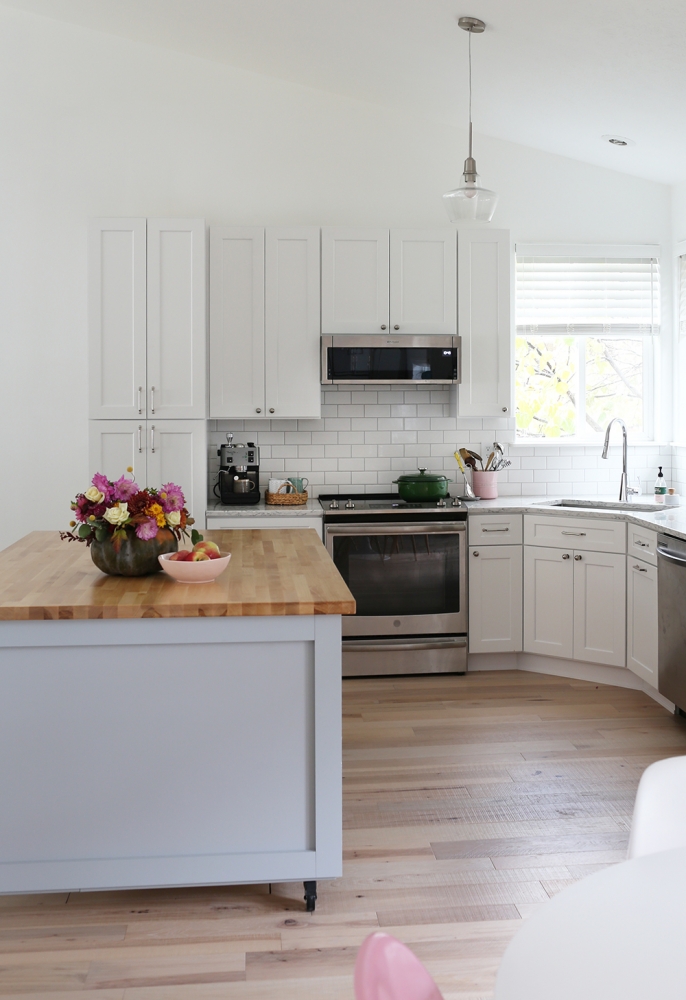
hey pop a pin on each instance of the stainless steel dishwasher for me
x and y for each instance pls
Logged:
(671, 612)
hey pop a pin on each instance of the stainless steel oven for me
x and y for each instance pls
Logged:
(407, 570)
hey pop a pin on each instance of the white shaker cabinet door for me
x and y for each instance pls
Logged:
(600, 608)
(176, 318)
(548, 601)
(237, 322)
(423, 281)
(495, 599)
(117, 318)
(117, 445)
(292, 319)
(177, 453)
(641, 604)
(484, 322)
(354, 280)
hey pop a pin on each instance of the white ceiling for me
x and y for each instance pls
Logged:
(553, 74)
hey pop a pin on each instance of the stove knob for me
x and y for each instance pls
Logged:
(349, 505)
(441, 503)
(455, 503)
(333, 505)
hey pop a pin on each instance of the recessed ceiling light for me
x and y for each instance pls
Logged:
(618, 140)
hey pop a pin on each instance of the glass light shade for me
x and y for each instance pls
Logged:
(469, 202)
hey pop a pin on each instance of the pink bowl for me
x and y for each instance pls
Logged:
(204, 571)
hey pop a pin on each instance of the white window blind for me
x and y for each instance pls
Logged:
(682, 295)
(590, 296)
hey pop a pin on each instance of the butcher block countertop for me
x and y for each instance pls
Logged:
(282, 572)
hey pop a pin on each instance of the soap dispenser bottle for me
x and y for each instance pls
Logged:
(660, 487)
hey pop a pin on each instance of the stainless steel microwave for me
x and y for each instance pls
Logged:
(356, 360)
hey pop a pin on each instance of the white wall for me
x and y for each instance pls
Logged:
(96, 125)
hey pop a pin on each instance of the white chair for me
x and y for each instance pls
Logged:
(659, 819)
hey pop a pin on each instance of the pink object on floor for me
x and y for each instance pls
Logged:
(386, 969)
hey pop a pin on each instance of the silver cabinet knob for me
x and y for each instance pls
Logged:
(383, 326)
(271, 409)
(504, 409)
(396, 327)
(578, 558)
(258, 410)
(565, 555)
(475, 553)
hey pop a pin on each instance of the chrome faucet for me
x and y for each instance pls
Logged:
(623, 490)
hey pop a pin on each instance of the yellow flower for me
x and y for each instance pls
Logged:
(154, 510)
(72, 524)
(129, 468)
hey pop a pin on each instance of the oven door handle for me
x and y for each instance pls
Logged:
(386, 647)
(389, 528)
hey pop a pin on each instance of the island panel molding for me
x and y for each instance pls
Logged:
(287, 572)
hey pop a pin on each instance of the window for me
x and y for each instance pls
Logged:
(584, 349)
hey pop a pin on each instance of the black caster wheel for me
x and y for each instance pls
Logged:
(310, 895)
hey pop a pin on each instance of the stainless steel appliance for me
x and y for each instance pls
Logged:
(349, 360)
(239, 473)
(406, 566)
(671, 613)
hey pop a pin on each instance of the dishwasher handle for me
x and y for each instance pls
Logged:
(670, 556)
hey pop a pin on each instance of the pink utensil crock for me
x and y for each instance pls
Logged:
(485, 484)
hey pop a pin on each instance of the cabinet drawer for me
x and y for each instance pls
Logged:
(495, 529)
(641, 542)
(594, 534)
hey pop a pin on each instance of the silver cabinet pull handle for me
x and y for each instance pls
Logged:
(578, 558)
(152, 439)
(140, 399)
(152, 398)
(140, 439)
(484, 530)
(643, 545)
(565, 555)
(640, 569)
(580, 533)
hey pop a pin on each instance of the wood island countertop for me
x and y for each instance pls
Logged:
(271, 572)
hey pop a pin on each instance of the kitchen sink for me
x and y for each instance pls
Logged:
(605, 505)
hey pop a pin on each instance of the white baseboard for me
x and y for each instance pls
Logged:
(576, 670)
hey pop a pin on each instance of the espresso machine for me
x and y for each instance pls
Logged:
(239, 473)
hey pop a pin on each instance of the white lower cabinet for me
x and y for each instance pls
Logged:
(159, 452)
(575, 604)
(548, 601)
(641, 603)
(495, 598)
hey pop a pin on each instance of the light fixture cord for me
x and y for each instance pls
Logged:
(469, 33)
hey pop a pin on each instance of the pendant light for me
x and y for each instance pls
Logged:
(470, 201)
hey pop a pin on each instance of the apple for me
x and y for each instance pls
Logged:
(214, 555)
(199, 557)
(183, 555)
(208, 547)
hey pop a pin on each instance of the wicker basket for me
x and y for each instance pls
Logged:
(286, 499)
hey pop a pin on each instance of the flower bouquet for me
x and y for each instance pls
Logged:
(126, 528)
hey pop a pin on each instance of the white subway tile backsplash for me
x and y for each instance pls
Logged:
(367, 436)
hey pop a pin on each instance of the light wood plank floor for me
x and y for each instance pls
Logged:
(469, 801)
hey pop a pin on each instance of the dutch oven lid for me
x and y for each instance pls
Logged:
(422, 476)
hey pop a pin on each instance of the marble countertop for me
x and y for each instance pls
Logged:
(671, 520)
(310, 509)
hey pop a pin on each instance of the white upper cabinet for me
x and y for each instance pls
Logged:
(484, 291)
(117, 317)
(354, 281)
(147, 318)
(423, 281)
(176, 318)
(292, 316)
(236, 322)
(264, 323)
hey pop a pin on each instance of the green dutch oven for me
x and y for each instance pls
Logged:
(422, 485)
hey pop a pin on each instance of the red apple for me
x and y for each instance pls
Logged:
(208, 547)
(199, 557)
(215, 555)
(183, 555)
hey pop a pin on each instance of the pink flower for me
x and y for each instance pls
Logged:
(80, 510)
(147, 529)
(124, 489)
(102, 483)
(171, 498)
